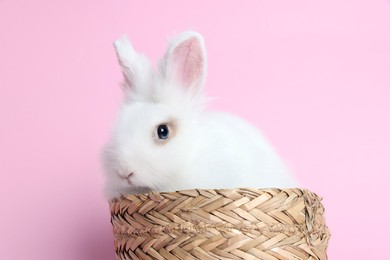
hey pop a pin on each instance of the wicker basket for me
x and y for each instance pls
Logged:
(220, 224)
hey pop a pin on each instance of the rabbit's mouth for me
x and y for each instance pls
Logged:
(127, 178)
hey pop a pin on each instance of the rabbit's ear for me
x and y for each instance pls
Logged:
(185, 62)
(136, 68)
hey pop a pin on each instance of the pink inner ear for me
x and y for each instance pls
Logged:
(188, 60)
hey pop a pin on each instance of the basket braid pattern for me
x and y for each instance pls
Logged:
(268, 224)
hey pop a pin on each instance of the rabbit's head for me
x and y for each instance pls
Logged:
(155, 136)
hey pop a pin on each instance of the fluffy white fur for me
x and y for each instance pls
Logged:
(207, 150)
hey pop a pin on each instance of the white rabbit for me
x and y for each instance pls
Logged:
(165, 140)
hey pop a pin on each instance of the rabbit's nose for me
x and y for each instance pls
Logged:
(130, 174)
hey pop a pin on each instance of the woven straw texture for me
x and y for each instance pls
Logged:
(266, 224)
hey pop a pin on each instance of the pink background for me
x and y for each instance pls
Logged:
(313, 75)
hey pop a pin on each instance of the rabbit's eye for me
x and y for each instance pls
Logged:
(162, 132)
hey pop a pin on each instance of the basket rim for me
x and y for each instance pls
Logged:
(311, 227)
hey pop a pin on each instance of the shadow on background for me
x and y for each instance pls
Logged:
(98, 241)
